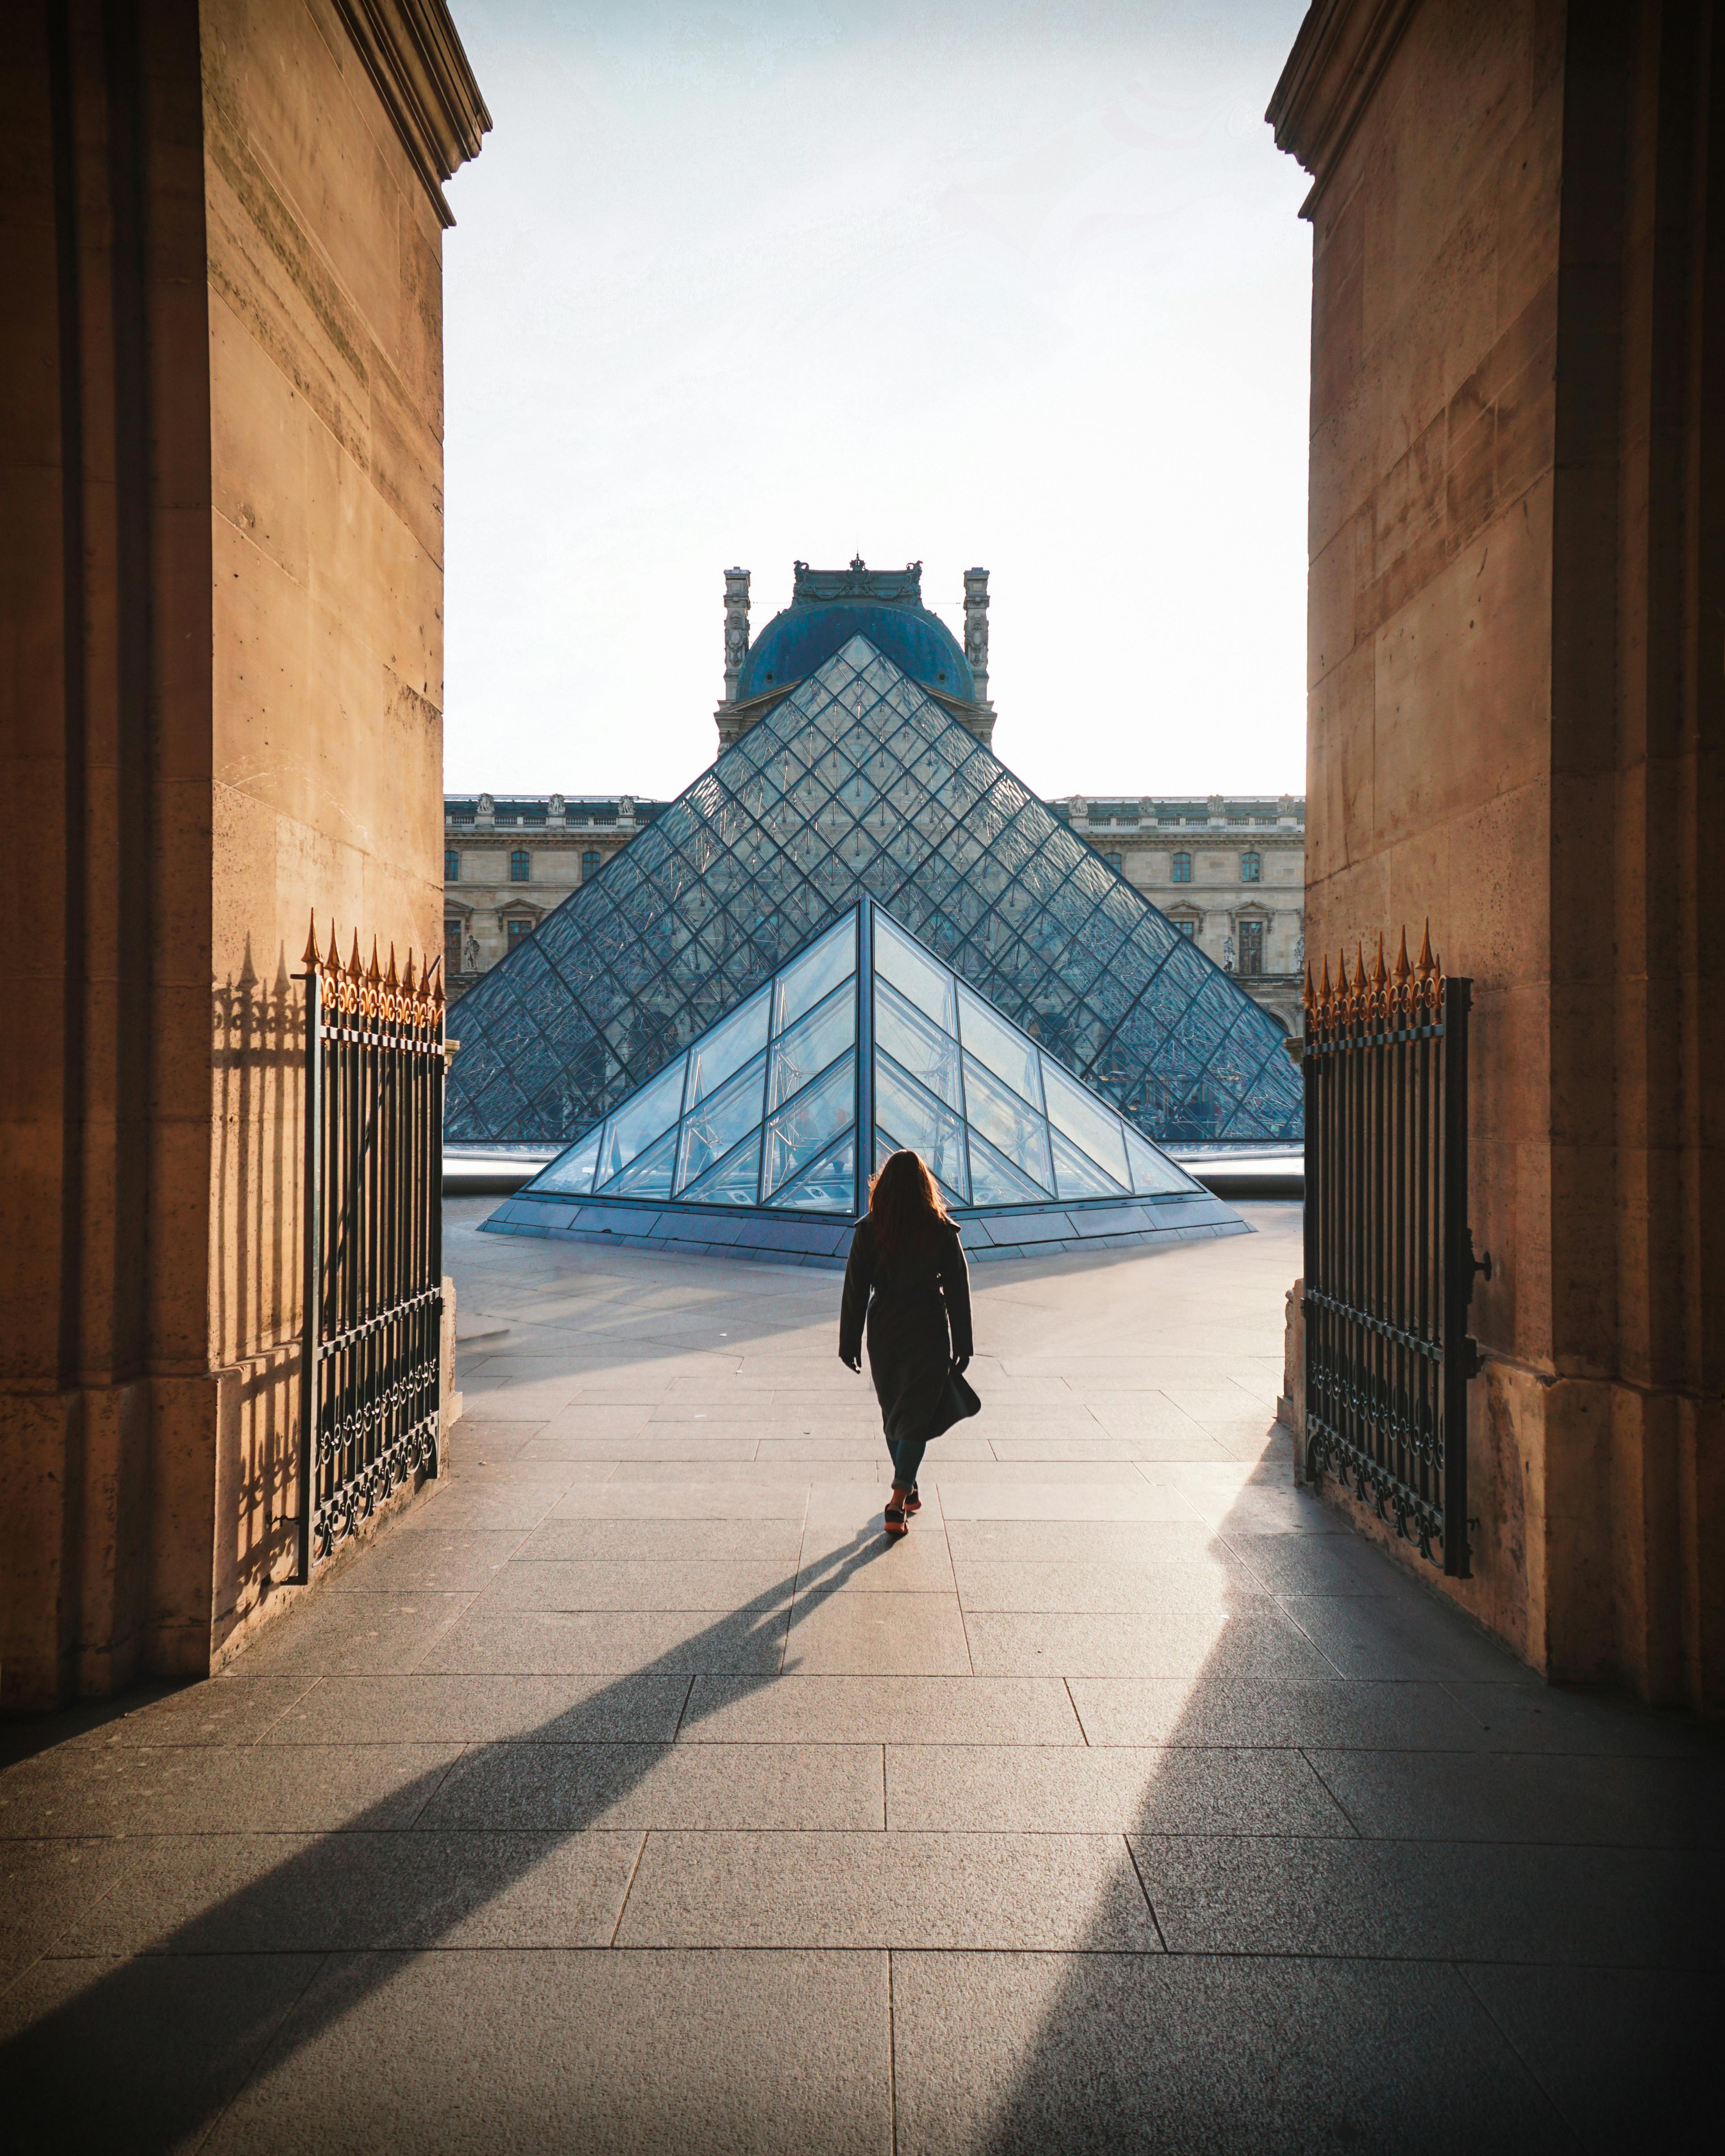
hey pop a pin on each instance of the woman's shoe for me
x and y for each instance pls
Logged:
(913, 1503)
(894, 1515)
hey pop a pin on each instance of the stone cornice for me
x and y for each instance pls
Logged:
(413, 52)
(1338, 58)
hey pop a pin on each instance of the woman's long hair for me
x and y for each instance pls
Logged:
(905, 1206)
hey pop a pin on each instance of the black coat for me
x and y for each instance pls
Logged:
(918, 1311)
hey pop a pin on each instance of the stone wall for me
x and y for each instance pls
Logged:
(1514, 706)
(224, 418)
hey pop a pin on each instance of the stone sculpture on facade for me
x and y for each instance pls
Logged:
(737, 628)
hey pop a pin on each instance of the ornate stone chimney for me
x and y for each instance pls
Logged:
(976, 629)
(737, 628)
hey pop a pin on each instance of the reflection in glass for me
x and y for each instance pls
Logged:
(800, 986)
(572, 1171)
(796, 1134)
(1078, 1175)
(924, 1050)
(828, 1184)
(915, 974)
(1001, 1046)
(805, 1051)
(727, 1048)
(920, 1121)
(648, 1175)
(735, 1180)
(712, 1129)
(1086, 1123)
(1153, 1171)
(994, 1181)
(1018, 1131)
(638, 1121)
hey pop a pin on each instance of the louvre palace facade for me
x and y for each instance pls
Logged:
(854, 770)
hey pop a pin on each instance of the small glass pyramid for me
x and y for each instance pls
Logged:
(859, 784)
(757, 1140)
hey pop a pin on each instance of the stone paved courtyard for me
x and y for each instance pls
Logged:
(634, 1794)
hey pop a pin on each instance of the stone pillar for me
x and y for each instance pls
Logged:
(737, 630)
(1516, 714)
(976, 629)
(221, 409)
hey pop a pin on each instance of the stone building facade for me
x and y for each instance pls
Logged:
(1228, 872)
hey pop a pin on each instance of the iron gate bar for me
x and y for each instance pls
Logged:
(1389, 1263)
(371, 1368)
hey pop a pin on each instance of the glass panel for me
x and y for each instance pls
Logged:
(1078, 1175)
(736, 1181)
(727, 1048)
(800, 986)
(994, 1181)
(798, 1133)
(1153, 1171)
(806, 1050)
(886, 1145)
(920, 1121)
(574, 1171)
(925, 1051)
(712, 1129)
(928, 986)
(829, 1186)
(648, 1175)
(1001, 1116)
(1085, 1121)
(1001, 1046)
(638, 1121)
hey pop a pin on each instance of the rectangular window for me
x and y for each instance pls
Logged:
(452, 947)
(519, 863)
(1251, 946)
(589, 863)
(1187, 927)
(1251, 867)
(1112, 860)
(1182, 868)
(452, 865)
(519, 931)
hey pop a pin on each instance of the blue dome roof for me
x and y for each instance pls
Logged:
(802, 639)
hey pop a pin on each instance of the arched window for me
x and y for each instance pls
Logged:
(519, 932)
(1251, 867)
(520, 864)
(1182, 868)
(452, 865)
(589, 863)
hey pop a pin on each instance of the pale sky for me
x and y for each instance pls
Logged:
(1016, 285)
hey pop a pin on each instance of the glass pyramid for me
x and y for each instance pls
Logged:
(758, 1137)
(859, 784)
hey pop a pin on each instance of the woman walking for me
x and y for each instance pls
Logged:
(907, 1274)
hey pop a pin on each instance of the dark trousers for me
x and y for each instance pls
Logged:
(906, 1458)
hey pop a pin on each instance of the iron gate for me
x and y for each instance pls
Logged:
(373, 1293)
(1389, 1262)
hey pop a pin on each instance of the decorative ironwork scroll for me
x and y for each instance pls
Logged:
(1389, 1262)
(373, 1291)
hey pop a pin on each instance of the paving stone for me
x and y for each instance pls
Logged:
(1528, 1716)
(847, 1710)
(1434, 1901)
(100, 2056)
(355, 1633)
(1045, 1499)
(684, 1500)
(1240, 1707)
(867, 1561)
(676, 1441)
(665, 1542)
(615, 2054)
(1173, 1645)
(229, 1893)
(1083, 1542)
(583, 1419)
(430, 1709)
(618, 1583)
(559, 1643)
(696, 1786)
(1400, 1635)
(47, 1888)
(998, 2054)
(868, 1890)
(1105, 1589)
(994, 1474)
(181, 1788)
(1480, 1796)
(436, 1561)
(496, 1508)
(1020, 1788)
(914, 1635)
(232, 1709)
